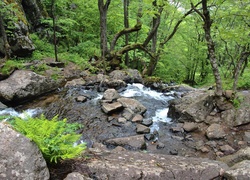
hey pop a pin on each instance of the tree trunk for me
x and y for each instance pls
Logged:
(210, 45)
(5, 40)
(126, 25)
(54, 28)
(243, 58)
(103, 10)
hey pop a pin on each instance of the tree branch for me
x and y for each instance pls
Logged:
(178, 23)
(133, 47)
(137, 27)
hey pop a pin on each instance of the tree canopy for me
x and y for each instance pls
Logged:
(196, 41)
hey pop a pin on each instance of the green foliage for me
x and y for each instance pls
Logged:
(237, 100)
(56, 139)
(43, 47)
(11, 65)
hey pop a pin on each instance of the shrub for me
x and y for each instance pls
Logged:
(56, 139)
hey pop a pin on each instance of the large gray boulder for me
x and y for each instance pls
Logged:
(204, 106)
(23, 85)
(129, 165)
(128, 76)
(18, 36)
(19, 157)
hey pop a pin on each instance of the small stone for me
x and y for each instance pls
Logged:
(190, 126)
(204, 149)
(108, 108)
(110, 94)
(137, 118)
(128, 114)
(173, 152)
(110, 118)
(215, 131)
(219, 154)
(122, 120)
(147, 122)
(81, 99)
(142, 129)
(178, 138)
(247, 136)
(160, 145)
(227, 149)
(178, 128)
(149, 137)
(242, 143)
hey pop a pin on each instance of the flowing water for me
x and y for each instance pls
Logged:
(155, 102)
(96, 126)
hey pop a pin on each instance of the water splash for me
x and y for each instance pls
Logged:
(13, 113)
(155, 102)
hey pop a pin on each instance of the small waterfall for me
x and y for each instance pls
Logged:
(155, 102)
(13, 113)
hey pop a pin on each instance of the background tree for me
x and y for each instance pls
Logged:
(5, 14)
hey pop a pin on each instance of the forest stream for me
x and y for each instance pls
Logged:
(97, 128)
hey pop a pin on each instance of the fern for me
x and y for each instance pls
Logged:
(56, 139)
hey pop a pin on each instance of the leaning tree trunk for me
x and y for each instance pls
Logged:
(243, 58)
(126, 25)
(210, 45)
(5, 40)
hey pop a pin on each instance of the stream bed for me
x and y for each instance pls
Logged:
(97, 128)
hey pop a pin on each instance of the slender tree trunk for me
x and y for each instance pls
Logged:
(54, 28)
(103, 10)
(243, 58)
(126, 25)
(211, 50)
(5, 40)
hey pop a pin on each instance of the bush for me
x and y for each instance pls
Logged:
(56, 139)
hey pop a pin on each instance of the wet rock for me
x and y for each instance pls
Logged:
(128, 76)
(137, 118)
(129, 165)
(116, 84)
(23, 85)
(2, 106)
(133, 142)
(122, 120)
(247, 136)
(110, 94)
(215, 131)
(111, 107)
(177, 128)
(76, 176)
(204, 149)
(212, 119)
(128, 114)
(239, 171)
(141, 129)
(19, 157)
(190, 126)
(173, 152)
(149, 136)
(147, 122)
(226, 149)
(132, 104)
(81, 99)
(242, 154)
(194, 106)
(160, 145)
(75, 82)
